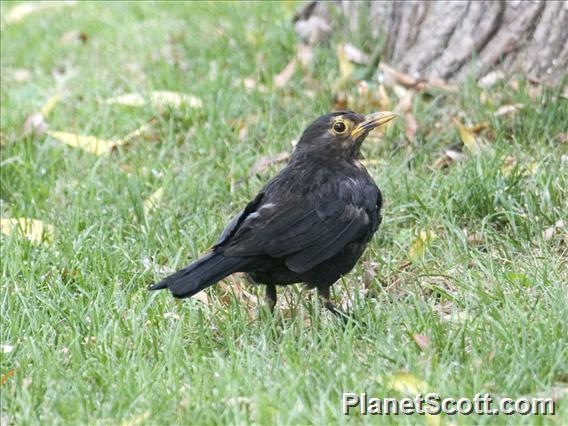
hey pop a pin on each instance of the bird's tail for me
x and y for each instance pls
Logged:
(199, 275)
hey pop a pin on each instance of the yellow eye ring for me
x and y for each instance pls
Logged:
(339, 127)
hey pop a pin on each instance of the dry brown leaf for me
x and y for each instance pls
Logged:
(508, 164)
(282, 78)
(158, 269)
(202, 297)
(467, 137)
(479, 127)
(243, 125)
(421, 341)
(448, 157)
(63, 73)
(491, 78)
(385, 102)
(22, 75)
(549, 232)
(34, 124)
(508, 109)
(158, 99)
(411, 126)
(153, 200)
(33, 229)
(355, 55)
(459, 317)
(405, 103)
(393, 77)
(6, 376)
(19, 12)
(143, 129)
(172, 315)
(305, 55)
(475, 239)
(420, 243)
(264, 163)
(73, 36)
(249, 83)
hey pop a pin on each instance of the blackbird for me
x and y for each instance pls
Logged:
(309, 224)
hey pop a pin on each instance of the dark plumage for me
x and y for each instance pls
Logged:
(309, 224)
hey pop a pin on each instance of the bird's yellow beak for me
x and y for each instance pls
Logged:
(372, 121)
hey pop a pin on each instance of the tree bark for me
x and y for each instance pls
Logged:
(453, 40)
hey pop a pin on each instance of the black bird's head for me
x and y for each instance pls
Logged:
(340, 134)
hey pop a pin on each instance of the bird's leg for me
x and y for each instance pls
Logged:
(271, 297)
(325, 297)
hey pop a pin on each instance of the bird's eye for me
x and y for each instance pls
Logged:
(339, 127)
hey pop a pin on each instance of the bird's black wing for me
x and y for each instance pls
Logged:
(303, 233)
(237, 220)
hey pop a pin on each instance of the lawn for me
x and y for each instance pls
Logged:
(462, 291)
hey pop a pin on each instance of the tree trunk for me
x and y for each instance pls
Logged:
(452, 40)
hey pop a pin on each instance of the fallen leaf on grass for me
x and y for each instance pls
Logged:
(73, 36)
(411, 126)
(172, 315)
(549, 232)
(159, 270)
(346, 68)
(409, 385)
(90, 144)
(153, 200)
(475, 239)
(508, 109)
(459, 317)
(355, 55)
(50, 104)
(419, 245)
(479, 127)
(6, 349)
(94, 144)
(202, 297)
(63, 73)
(406, 384)
(394, 77)
(508, 164)
(243, 125)
(421, 341)
(264, 163)
(159, 99)
(448, 157)
(281, 79)
(6, 376)
(19, 12)
(491, 78)
(33, 229)
(468, 137)
(34, 124)
(22, 75)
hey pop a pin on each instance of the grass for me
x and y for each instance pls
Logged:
(92, 346)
